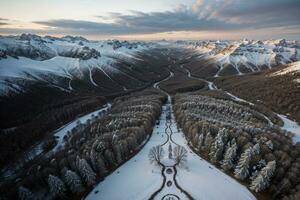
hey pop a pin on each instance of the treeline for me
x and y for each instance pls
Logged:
(242, 143)
(279, 93)
(91, 151)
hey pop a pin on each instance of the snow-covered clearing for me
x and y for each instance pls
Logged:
(61, 132)
(291, 126)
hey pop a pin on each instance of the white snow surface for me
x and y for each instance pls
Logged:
(291, 126)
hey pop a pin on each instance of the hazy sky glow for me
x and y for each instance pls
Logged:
(155, 19)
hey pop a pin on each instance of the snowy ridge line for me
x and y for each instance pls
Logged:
(246, 55)
(48, 57)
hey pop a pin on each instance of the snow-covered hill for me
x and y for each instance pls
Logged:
(292, 69)
(48, 59)
(245, 56)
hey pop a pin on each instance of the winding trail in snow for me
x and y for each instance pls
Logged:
(199, 178)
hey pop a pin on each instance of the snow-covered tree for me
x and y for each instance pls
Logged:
(101, 166)
(229, 157)
(217, 147)
(25, 194)
(200, 141)
(118, 153)
(86, 171)
(56, 186)
(73, 181)
(262, 180)
(270, 144)
(256, 149)
(242, 169)
(109, 157)
(208, 141)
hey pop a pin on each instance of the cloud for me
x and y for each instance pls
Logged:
(267, 13)
(3, 21)
(202, 15)
(142, 23)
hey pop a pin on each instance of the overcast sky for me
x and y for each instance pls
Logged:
(153, 19)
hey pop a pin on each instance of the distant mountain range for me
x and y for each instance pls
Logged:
(220, 58)
(73, 63)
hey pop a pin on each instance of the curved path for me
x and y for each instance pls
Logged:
(170, 189)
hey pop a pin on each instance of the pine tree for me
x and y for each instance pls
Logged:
(101, 166)
(256, 149)
(25, 194)
(86, 171)
(270, 144)
(242, 169)
(229, 157)
(217, 147)
(73, 181)
(208, 141)
(200, 141)
(56, 186)
(109, 157)
(118, 153)
(262, 181)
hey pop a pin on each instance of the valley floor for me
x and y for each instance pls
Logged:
(139, 179)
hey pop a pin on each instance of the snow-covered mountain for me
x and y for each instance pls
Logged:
(56, 61)
(245, 56)
(65, 62)
(292, 69)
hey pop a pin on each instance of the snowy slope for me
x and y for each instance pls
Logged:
(293, 68)
(35, 58)
(247, 55)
